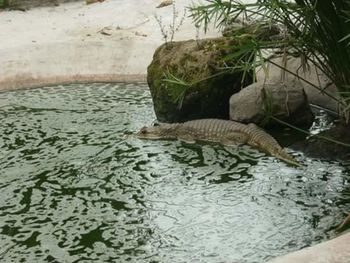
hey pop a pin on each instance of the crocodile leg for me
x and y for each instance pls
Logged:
(234, 139)
(186, 138)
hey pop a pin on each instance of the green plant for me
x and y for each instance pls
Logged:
(317, 30)
(3, 3)
(176, 87)
(168, 31)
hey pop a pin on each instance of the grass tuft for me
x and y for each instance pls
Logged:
(317, 30)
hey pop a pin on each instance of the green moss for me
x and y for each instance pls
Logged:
(208, 93)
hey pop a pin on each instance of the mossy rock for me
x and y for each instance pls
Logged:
(256, 29)
(199, 63)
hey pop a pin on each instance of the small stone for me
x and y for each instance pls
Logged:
(88, 2)
(106, 31)
(285, 100)
(165, 3)
(140, 34)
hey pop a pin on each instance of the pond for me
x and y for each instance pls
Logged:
(77, 186)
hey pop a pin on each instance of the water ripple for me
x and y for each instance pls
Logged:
(77, 186)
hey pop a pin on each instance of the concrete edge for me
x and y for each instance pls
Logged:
(27, 82)
(336, 250)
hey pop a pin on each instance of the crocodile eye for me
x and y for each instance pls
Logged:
(143, 130)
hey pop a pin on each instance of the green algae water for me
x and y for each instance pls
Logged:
(77, 186)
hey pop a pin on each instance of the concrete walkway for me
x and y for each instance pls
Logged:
(334, 251)
(109, 41)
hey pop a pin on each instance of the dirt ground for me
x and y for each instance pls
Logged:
(75, 42)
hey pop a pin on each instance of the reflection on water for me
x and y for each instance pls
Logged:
(76, 186)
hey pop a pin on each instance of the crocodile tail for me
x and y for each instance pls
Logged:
(282, 155)
(269, 145)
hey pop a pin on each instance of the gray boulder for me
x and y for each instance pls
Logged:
(200, 63)
(296, 69)
(284, 100)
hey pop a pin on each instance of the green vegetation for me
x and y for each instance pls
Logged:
(3, 3)
(318, 31)
(168, 31)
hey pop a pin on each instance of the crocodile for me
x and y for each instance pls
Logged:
(225, 132)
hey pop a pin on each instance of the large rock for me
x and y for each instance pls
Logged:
(199, 62)
(283, 100)
(298, 69)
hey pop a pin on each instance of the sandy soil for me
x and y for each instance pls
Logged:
(109, 41)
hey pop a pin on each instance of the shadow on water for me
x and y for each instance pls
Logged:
(77, 186)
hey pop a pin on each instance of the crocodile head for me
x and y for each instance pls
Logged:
(164, 131)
